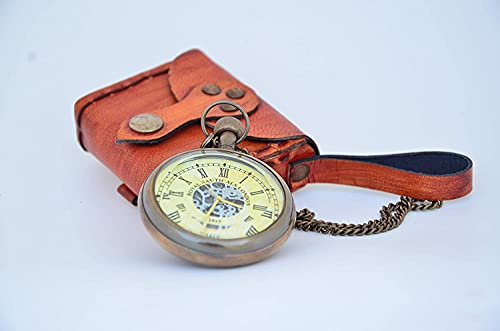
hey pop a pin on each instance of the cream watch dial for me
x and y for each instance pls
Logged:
(219, 195)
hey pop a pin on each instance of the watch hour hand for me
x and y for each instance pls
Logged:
(209, 212)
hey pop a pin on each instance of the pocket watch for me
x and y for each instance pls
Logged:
(217, 205)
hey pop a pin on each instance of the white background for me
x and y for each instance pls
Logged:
(359, 77)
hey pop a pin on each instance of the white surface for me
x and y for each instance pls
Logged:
(360, 77)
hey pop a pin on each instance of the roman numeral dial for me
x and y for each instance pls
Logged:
(219, 197)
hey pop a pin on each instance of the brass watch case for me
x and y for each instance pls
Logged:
(211, 251)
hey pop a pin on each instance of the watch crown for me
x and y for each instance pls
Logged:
(229, 123)
(228, 129)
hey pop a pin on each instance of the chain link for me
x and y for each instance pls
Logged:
(391, 216)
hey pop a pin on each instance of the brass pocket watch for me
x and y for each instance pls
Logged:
(217, 205)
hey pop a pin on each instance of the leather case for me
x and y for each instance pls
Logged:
(174, 92)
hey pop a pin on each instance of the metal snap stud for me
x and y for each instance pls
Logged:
(211, 89)
(235, 93)
(227, 108)
(145, 123)
(299, 173)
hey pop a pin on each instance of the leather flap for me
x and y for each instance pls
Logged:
(187, 75)
(173, 91)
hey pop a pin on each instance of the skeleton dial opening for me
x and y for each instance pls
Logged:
(219, 196)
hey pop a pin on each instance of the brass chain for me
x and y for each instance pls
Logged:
(391, 216)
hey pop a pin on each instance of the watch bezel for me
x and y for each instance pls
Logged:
(212, 251)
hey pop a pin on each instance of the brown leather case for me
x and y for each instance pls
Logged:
(174, 92)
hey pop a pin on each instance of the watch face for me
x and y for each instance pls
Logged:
(220, 195)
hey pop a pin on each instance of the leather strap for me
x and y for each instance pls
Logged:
(422, 175)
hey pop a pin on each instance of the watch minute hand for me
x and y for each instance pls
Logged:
(230, 203)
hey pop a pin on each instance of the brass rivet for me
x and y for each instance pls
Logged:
(235, 93)
(227, 108)
(211, 89)
(145, 123)
(299, 173)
